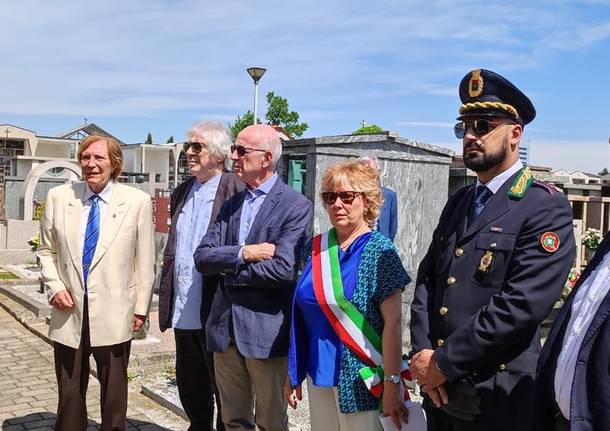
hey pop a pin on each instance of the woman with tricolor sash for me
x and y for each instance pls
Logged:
(347, 311)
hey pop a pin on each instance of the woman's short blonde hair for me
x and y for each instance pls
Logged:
(360, 178)
(114, 152)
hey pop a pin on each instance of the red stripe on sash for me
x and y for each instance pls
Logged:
(320, 297)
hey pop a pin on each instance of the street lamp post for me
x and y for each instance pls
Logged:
(256, 73)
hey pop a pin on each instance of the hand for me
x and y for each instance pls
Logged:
(425, 370)
(438, 396)
(393, 405)
(62, 300)
(292, 395)
(258, 252)
(138, 321)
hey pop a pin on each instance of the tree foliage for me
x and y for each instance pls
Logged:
(170, 140)
(603, 172)
(148, 140)
(241, 123)
(367, 129)
(278, 114)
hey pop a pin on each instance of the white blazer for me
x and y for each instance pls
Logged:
(121, 275)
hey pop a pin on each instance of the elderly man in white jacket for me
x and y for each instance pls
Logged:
(97, 255)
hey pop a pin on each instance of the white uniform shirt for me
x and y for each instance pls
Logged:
(589, 297)
(495, 183)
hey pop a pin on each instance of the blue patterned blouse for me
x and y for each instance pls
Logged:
(379, 274)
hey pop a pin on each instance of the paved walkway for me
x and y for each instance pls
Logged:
(28, 388)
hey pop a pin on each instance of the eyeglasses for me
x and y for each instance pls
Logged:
(481, 127)
(196, 146)
(347, 197)
(242, 151)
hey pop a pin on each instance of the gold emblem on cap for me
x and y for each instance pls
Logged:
(475, 86)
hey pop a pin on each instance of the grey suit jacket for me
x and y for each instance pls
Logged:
(253, 302)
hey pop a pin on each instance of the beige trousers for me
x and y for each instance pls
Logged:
(239, 379)
(324, 414)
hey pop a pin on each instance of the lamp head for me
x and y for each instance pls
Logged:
(256, 73)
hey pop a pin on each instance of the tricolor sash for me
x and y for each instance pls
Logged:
(348, 323)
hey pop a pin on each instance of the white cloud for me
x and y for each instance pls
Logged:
(337, 62)
(426, 124)
(590, 155)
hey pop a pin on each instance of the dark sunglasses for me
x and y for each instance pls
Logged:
(242, 151)
(329, 198)
(196, 146)
(480, 127)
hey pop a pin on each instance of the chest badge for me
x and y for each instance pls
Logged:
(486, 261)
(496, 229)
(550, 242)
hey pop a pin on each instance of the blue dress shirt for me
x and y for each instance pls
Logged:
(192, 224)
(324, 348)
(252, 204)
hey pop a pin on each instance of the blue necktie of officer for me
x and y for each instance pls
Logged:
(91, 236)
(481, 196)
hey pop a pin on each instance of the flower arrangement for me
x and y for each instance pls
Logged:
(34, 242)
(591, 238)
(573, 277)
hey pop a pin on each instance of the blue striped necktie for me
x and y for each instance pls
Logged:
(91, 235)
(481, 196)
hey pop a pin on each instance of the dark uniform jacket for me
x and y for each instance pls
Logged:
(482, 315)
(590, 398)
(228, 186)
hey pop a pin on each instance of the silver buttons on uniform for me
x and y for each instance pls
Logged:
(451, 280)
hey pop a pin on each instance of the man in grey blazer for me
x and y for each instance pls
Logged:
(253, 246)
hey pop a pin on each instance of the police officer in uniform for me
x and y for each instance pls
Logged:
(498, 260)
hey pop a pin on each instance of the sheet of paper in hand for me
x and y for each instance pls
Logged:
(417, 419)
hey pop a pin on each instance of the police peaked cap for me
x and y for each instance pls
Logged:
(485, 93)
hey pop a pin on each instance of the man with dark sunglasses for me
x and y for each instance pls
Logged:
(498, 260)
(252, 247)
(185, 295)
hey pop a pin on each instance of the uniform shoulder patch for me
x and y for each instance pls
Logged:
(521, 183)
(549, 241)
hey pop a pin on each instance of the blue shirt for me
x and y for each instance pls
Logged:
(192, 224)
(323, 346)
(252, 204)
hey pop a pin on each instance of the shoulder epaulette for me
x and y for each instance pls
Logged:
(522, 182)
(550, 188)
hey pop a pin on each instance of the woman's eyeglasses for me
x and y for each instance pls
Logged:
(242, 151)
(329, 198)
(195, 146)
(480, 127)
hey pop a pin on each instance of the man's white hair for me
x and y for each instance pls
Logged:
(372, 161)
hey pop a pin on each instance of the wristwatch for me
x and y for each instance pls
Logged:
(394, 378)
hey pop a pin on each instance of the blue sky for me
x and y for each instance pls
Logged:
(156, 66)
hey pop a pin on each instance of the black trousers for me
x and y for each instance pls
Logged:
(72, 371)
(195, 378)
